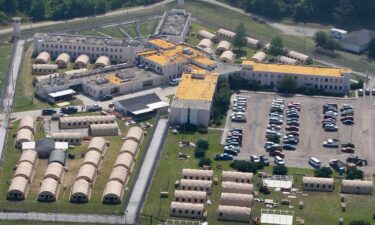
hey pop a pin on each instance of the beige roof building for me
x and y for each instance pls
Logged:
(252, 42)
(110, 129)
(72, 138)
(239, 177)
(24, 169)
(205, 34)
(190, 196)
(120, 174)
(84, 121)
(80, 191)
(48, 190)
(126, 160)
(222, 47)
(227, 57)
(55, 171)
(196, 174)
(87, 172)
(23, 135)
(234, 213)
(209, 51)
(18, 188)
(44, 69)
(30, 156)
(259, 57)
(97, 144)
(82, 61)
(233, 199)
(299, 56)
(285, 60)
(196, 185)
(43, 58)
(63, 60)
(27, 122)
(102, 61)
(360, 187)
(240, 188)
(135, 133)
(130, 146)
(187, 210)
(205, 43)
(317, 184)
(225, 34)
(113, 192)
(93, 158)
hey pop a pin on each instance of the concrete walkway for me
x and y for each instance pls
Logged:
(145, 176)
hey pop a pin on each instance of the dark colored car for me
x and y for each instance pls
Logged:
(264, 160)
(289, 147)
(348, 122)
(276, 153)
(292, 128)
(48, 112)
(105, 97)
(69, 110)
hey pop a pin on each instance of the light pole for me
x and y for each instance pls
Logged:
(275, 90)
(65, 20)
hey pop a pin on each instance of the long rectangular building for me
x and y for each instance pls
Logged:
(334, 80)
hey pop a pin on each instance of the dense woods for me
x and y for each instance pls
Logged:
(60, 9)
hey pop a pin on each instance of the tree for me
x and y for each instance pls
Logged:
(359, 222)
(37, 10)
(239, 39)
(371, 49)
(199, 153)
(323, 172)
(354, 174)
(244, 166)
(280, 170)
(221, 99)
(288, 84)
(277, 46)
(205, 162)
(202, 144)
(320, 39)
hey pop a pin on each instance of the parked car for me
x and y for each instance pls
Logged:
(347, 150)
(360, 92)
(69, 110)
(174, 82)
(348, 122)
(331, 143)
(279, 161)
(293, 123)
(373, 91)
(264, 160)
(254, 159)
(231, 152)
(293, 133)
(367, 91)
(48, 112)
(105, 97)
(292, 128)
(276, 153)
(223, 156)
(93, 108)
(314, 162)
(331, 128)
(289, 147)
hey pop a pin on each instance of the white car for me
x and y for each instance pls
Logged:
(254, 159)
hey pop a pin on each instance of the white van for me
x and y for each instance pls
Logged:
(314, 162)
(279, 161)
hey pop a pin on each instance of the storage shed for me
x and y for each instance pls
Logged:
(359, 187)
(130, 146)
(227, 57)
(240, 188)
(97, 144)
(104, 129)
(29, 156)
(80, 191)
(62, 60)
(58, 156)
(252, 43)
(48, 190)
(302, 58)
(234, 213)
(285, 60)
(317, 184)
(187, 210)
(135, 133)
(196, 185)
(92, 158)
(87, 172)
(225, 34)
(233, 199)
(70, 137)
(43, 58)
(120, 174)
(24, 169)
(18, 188)
(205, 34)
(259, 57)
(23, 135)
(126, 160)
(75, 122)
(113, 192)
(190, 196)
(44, 69)
(205, 43)
(54, 171)
(102, 62)
(195, 174)
(27, 122)
(222, 47)
(82, 61)
(239, 177)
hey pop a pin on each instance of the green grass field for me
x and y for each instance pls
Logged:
(5, 50)
(29, 222)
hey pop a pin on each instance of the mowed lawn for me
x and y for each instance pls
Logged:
(5, 50)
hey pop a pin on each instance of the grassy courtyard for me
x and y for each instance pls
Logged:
(5, 50)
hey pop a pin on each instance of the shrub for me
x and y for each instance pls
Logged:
(359, 222)
(354, 174)
(323, 172)
(199, 153)
(202, 144)
(349, 145)
(280, 170)
(244, 166)
(202, 130)
(205, 162)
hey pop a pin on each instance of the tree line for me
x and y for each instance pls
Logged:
(38, 10)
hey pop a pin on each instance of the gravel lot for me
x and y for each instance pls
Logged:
(312, 134)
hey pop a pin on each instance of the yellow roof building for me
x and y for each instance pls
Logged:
(198, 85)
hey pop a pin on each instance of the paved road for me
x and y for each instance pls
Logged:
(146, 173)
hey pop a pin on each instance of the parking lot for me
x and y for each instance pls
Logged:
(312, 135)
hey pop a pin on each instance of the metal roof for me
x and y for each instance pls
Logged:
(61, 93)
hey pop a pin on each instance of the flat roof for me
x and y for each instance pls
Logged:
(161, 43)
(297, 69)
(142, 104)
(62, 93)
(204, 60)
(194, 88)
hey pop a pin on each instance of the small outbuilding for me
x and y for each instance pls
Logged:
(234, 213)
(196, 185)
(190, 196)
(44, 69)
(55, 171)
(317, 184)
(239, 177)
(130, 146)
(113, 192)
(135, 133)
(233, 199)
(104, 129)
(120, 174)
(205, 43)
(62, 60)
(227, 57)
(240, 188)
(48, 190)
(359, 187)
(222, 47)
(24, 169)
(23, 135)
(92, 158)
(76, 122)
(187, 210)
(29, 156)
(58, 156)
(125, 160)
(43, 58)
(82, 61)
(102, 62)
(80, 191)
(27, 122)
(225, 34)
(19, 186)
(196, 174)
(203, 34)
(87, 172)
(71, 137)
(252, 42)
(259, 57)
(302, 58)
(98, 144)
(285, 60)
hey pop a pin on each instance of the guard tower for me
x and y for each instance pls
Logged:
(16, 27)
(181, 4)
